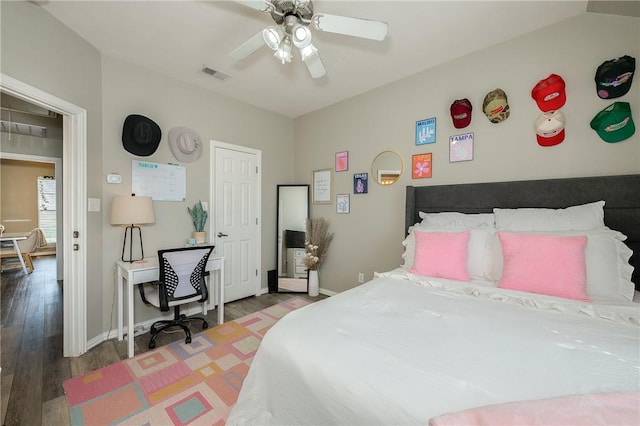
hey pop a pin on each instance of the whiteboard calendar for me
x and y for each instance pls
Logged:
(161, 182)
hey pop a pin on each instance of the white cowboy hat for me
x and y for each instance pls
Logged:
(185, 144)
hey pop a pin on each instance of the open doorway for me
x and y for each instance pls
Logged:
(31, 164)
(29, 194)
(74, 238)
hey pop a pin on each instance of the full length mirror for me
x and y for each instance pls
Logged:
(293, 211)
(387, 168)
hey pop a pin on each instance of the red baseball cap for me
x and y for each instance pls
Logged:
(461, 113)
(549, 93)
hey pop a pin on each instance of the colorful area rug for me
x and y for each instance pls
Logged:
(176, 384)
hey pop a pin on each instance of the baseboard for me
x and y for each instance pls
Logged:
(140, 327)
(322, 291)
(43, 253)
(143, 327)
(328, 292)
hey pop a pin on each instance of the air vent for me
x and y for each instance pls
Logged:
(215, 74)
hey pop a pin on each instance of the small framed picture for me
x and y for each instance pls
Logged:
(426, 131)
(361, 183)
(461, 147)
(342, 161)
(342, 203)
(322, 187)
(421, 166)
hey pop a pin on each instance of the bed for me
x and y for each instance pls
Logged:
(456, 335)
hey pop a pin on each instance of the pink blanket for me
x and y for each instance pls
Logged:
(619, 409)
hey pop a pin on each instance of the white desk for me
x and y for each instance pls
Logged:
(131, 274)
(15, 240)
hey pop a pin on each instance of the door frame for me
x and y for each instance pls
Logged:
(74, 169)
(212, 196)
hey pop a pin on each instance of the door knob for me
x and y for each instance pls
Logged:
(220, 234)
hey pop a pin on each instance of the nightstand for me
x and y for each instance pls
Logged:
(295, 263)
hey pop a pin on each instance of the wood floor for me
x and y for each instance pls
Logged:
(33, 368)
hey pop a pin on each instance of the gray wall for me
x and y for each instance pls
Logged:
(36, 49)
(129, 89)
(110, 90)
(369, 238)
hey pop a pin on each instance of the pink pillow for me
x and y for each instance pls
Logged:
(441, 254)
(544, 264)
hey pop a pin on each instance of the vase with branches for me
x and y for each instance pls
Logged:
(317, 242)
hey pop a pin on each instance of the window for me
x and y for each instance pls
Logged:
(47, 207)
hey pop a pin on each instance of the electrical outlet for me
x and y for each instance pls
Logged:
(360, 277)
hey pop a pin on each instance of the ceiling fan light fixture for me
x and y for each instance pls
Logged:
(301, 36)
(307, 51)
(315, 66)
(284, 51)
(273, 36)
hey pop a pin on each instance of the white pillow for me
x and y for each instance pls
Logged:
(478, 266)
(583, 217)
(461, 221)
(606, 261)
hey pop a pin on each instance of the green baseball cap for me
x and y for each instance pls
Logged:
(614, 123)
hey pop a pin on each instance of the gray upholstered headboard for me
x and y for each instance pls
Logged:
(620, 193)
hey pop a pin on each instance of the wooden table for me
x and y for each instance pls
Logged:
(16, 248)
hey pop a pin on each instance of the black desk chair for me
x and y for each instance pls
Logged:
(181, 281)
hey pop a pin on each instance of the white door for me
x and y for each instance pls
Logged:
(236, 195)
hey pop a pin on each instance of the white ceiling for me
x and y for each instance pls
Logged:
(179, 38)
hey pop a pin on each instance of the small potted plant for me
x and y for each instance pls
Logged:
(199, 216)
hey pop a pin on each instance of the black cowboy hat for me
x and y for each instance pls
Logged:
(140, 135)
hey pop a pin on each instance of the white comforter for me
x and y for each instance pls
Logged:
(401, 350)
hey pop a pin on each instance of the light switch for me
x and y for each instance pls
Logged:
(94, 205)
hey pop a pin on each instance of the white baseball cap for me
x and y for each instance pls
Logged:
(550, 128)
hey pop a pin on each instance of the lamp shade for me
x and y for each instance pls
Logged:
(131, 210)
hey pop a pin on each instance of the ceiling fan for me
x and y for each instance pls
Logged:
(293, 18)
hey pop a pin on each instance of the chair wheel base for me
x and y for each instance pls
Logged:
(152, 345)
(205, 325)
(187, 340)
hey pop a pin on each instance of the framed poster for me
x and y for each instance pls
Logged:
(426, 131)
(421, 166)
(321, 192)
(342, 161)
(342, 203)
(461, 147)
(361, 183)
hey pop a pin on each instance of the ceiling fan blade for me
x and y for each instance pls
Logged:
(315, 66)
(259, 5)
(373, 30)
(248, 47)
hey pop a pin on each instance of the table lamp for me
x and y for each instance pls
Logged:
(132, 211)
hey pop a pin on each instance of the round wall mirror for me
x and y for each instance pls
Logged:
(387, 168)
